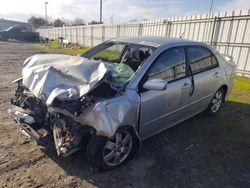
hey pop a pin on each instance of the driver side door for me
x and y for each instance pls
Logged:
(160, 109)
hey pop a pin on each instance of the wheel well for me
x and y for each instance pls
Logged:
(225, 88)
(135, 134)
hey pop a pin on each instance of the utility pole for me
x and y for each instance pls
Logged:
(211, 6)
(46, 17)
(112, 19)
(100, 11)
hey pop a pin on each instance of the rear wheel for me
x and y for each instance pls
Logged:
(216, 102)
(108, 153)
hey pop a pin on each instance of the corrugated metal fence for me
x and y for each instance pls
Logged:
(229, 32)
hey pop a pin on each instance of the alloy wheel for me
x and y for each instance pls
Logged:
(216, 101)
(117, 150)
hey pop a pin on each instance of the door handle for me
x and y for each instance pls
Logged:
(185, 85)
(216, 74)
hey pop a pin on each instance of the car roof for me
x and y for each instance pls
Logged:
(154, 41)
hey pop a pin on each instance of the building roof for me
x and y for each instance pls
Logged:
(5, 24)
(13, 21)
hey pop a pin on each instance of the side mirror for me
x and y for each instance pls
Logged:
(155, 84)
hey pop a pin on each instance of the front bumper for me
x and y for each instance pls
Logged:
(24, 119)
(65, 141)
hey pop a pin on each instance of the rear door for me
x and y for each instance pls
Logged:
(205, 69)
(161, 109)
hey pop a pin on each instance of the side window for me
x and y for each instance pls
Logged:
(200, 59)
(169, 66)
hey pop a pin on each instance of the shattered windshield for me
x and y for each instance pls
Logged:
(120, 72)
(122, 59)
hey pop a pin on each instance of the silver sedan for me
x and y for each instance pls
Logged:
(118, 93)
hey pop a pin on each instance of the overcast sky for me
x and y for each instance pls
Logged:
(122, 10)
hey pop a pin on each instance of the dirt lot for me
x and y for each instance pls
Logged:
(201, 152)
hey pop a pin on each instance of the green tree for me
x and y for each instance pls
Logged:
(58, 23)
(36, 21)
(94, 22)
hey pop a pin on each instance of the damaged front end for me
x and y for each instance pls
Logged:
(64, 103)
(28, 111)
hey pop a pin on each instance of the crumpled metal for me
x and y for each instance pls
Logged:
(68, 77)
(61, 76)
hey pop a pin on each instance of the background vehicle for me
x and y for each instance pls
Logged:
(19, 33)
(119, 93)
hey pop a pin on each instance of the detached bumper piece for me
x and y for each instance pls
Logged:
(24, 119)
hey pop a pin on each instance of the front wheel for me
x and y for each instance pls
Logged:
(216, 102)
(108, 153)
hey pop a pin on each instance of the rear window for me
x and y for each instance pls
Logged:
(201, 59)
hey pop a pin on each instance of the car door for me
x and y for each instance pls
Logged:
(205, 70)
(161, 109)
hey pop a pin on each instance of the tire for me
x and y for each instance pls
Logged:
(106, 154)
(216, 102)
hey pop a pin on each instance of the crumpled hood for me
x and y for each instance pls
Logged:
(59, 76)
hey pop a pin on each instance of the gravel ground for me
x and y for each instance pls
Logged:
(201, 152)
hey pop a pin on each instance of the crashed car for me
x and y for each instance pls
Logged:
(117, 94)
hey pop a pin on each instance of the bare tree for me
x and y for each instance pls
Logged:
(78, 21)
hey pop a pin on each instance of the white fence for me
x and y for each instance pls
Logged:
(229, 32)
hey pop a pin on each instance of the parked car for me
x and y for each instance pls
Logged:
(19, 33)
(117, 94)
